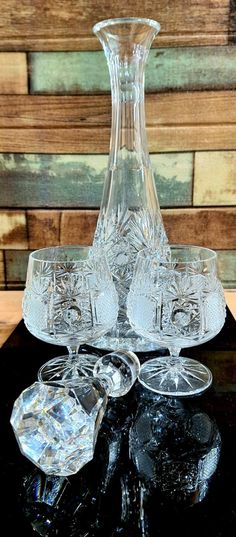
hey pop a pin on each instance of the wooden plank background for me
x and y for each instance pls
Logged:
(55, 118)
(60, 25)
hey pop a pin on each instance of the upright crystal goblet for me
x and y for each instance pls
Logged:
(177, 303)
(69, 299)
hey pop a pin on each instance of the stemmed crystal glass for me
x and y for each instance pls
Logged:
(177, 303)
(69, 299)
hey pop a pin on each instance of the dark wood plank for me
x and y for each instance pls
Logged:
(175, 122)
(232, 22)
(94, 140)
(213, 228)
(13, 230)
(53, 111)
(60, 25)
(174, 108)
(210, 227)
(43, 228)
(77, 227)
(2, 271)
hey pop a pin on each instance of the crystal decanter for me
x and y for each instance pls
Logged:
(130, 217)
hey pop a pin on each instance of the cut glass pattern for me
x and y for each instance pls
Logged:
(130, 217)
(56, 426)
(66, 303)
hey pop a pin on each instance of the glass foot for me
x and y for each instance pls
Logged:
(182, 377)
(63, 368)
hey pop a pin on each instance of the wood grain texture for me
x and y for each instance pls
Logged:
(174, 108)
(77, 180)
(2, 271)
(180, 68)
(175, 122)
(215, 178)
(10, 313)
(13, 73)
(213, 228)
(78, 227)
(13, 231)
(43, 228)
(232, 22)
(94, 140)
(60, 25)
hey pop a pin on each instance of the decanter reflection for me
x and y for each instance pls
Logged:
(175, 447)
(149, 468)
(91, 502)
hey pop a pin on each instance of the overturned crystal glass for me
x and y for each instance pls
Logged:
(56, 423)
(69, 299)
(177, 303)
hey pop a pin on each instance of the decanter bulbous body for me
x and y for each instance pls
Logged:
(130, 217)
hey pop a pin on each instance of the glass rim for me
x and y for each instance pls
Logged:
(210, 254)
(33, 254)
(126, 20)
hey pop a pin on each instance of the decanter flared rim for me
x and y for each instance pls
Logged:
(126, 20)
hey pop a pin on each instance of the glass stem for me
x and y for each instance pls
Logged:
(174, 354)
(73, 352)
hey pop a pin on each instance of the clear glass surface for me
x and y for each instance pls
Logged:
(118, 372)
(69, 299)
(130, 217)
(177, 303)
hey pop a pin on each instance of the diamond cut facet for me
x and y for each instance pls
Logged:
(56, 425)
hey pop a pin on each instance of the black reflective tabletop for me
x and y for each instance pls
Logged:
(162, 466)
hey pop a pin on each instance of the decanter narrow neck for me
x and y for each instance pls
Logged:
(128, 133)
(126, 43)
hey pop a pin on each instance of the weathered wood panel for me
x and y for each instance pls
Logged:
(173, 108)
(2, 271)
(43, 228)
(77, 227)
(213, 228)
(232, 22)
(52, 111)
(16, 262)
(13, 73)
(227, 268)
(13, 231)
(93, 140)
(175, 122)
(215, 178)
(181, 68)
(61, 25)
(77, 180)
